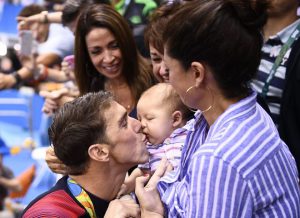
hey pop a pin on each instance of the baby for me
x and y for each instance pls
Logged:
(163, 117)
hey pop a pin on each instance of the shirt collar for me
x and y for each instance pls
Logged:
(286, 32)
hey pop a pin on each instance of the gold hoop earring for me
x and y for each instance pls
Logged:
(184, 100)
(212, 104)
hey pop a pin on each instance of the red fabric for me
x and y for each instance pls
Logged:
(55, 204)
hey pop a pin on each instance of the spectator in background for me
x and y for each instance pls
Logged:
(10, 62)
(54, 42)
(106, 58)
(68, 16)
(234, 163)
(278, 78)
(136, 14)
(7, 180)
(98, 142)
(153, 38)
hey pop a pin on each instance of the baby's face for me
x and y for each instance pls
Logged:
(156, 118)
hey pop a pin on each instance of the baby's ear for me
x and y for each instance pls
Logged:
(177, 119)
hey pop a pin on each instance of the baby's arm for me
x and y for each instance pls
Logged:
(129, 183)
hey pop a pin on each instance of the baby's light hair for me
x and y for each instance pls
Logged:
(170, 98)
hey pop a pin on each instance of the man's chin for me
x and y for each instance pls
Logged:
(146, 159)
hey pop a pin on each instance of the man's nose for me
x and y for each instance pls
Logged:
(137, 125)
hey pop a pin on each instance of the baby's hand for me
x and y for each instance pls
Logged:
(124, 190)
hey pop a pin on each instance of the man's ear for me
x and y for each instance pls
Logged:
(198, 72)
(99, 152)
(177, 119)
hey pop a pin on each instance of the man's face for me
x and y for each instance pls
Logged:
(40, 31)
(128, 143)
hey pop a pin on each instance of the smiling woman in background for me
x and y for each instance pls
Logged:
(106, 57)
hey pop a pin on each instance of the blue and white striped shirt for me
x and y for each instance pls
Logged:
(239, 167)
(270, 51)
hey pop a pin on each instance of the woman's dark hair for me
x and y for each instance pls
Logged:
(72, 9)
(154, 31)
(136, 70)
(223, 34)
(78, 125)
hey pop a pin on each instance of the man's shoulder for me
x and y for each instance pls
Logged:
(56, 203)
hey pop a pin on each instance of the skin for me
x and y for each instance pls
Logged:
(120, 208)
(158, 66)
(128, 143)
(281, 14)
(105, 53)
(156, 117)
(180, 81)
(39, 31)
(197, 88)
(110, 161)
(281, 7)
(126, 148)
(147, 194)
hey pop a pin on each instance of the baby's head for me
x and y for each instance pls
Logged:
(161, 111)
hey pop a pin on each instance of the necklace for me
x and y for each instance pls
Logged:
(121, 93)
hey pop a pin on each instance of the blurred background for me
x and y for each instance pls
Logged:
(23, 127)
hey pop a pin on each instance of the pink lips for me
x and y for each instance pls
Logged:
(145, 139)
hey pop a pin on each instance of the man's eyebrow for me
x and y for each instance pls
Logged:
(124, 117)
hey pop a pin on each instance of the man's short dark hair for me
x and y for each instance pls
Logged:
(72, 9)
(30, 10)
(78, 125)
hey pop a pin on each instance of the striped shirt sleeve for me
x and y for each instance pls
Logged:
(218, 189)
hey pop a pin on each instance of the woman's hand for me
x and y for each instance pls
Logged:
(148, 196)
(54, 163)
(68, 70)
